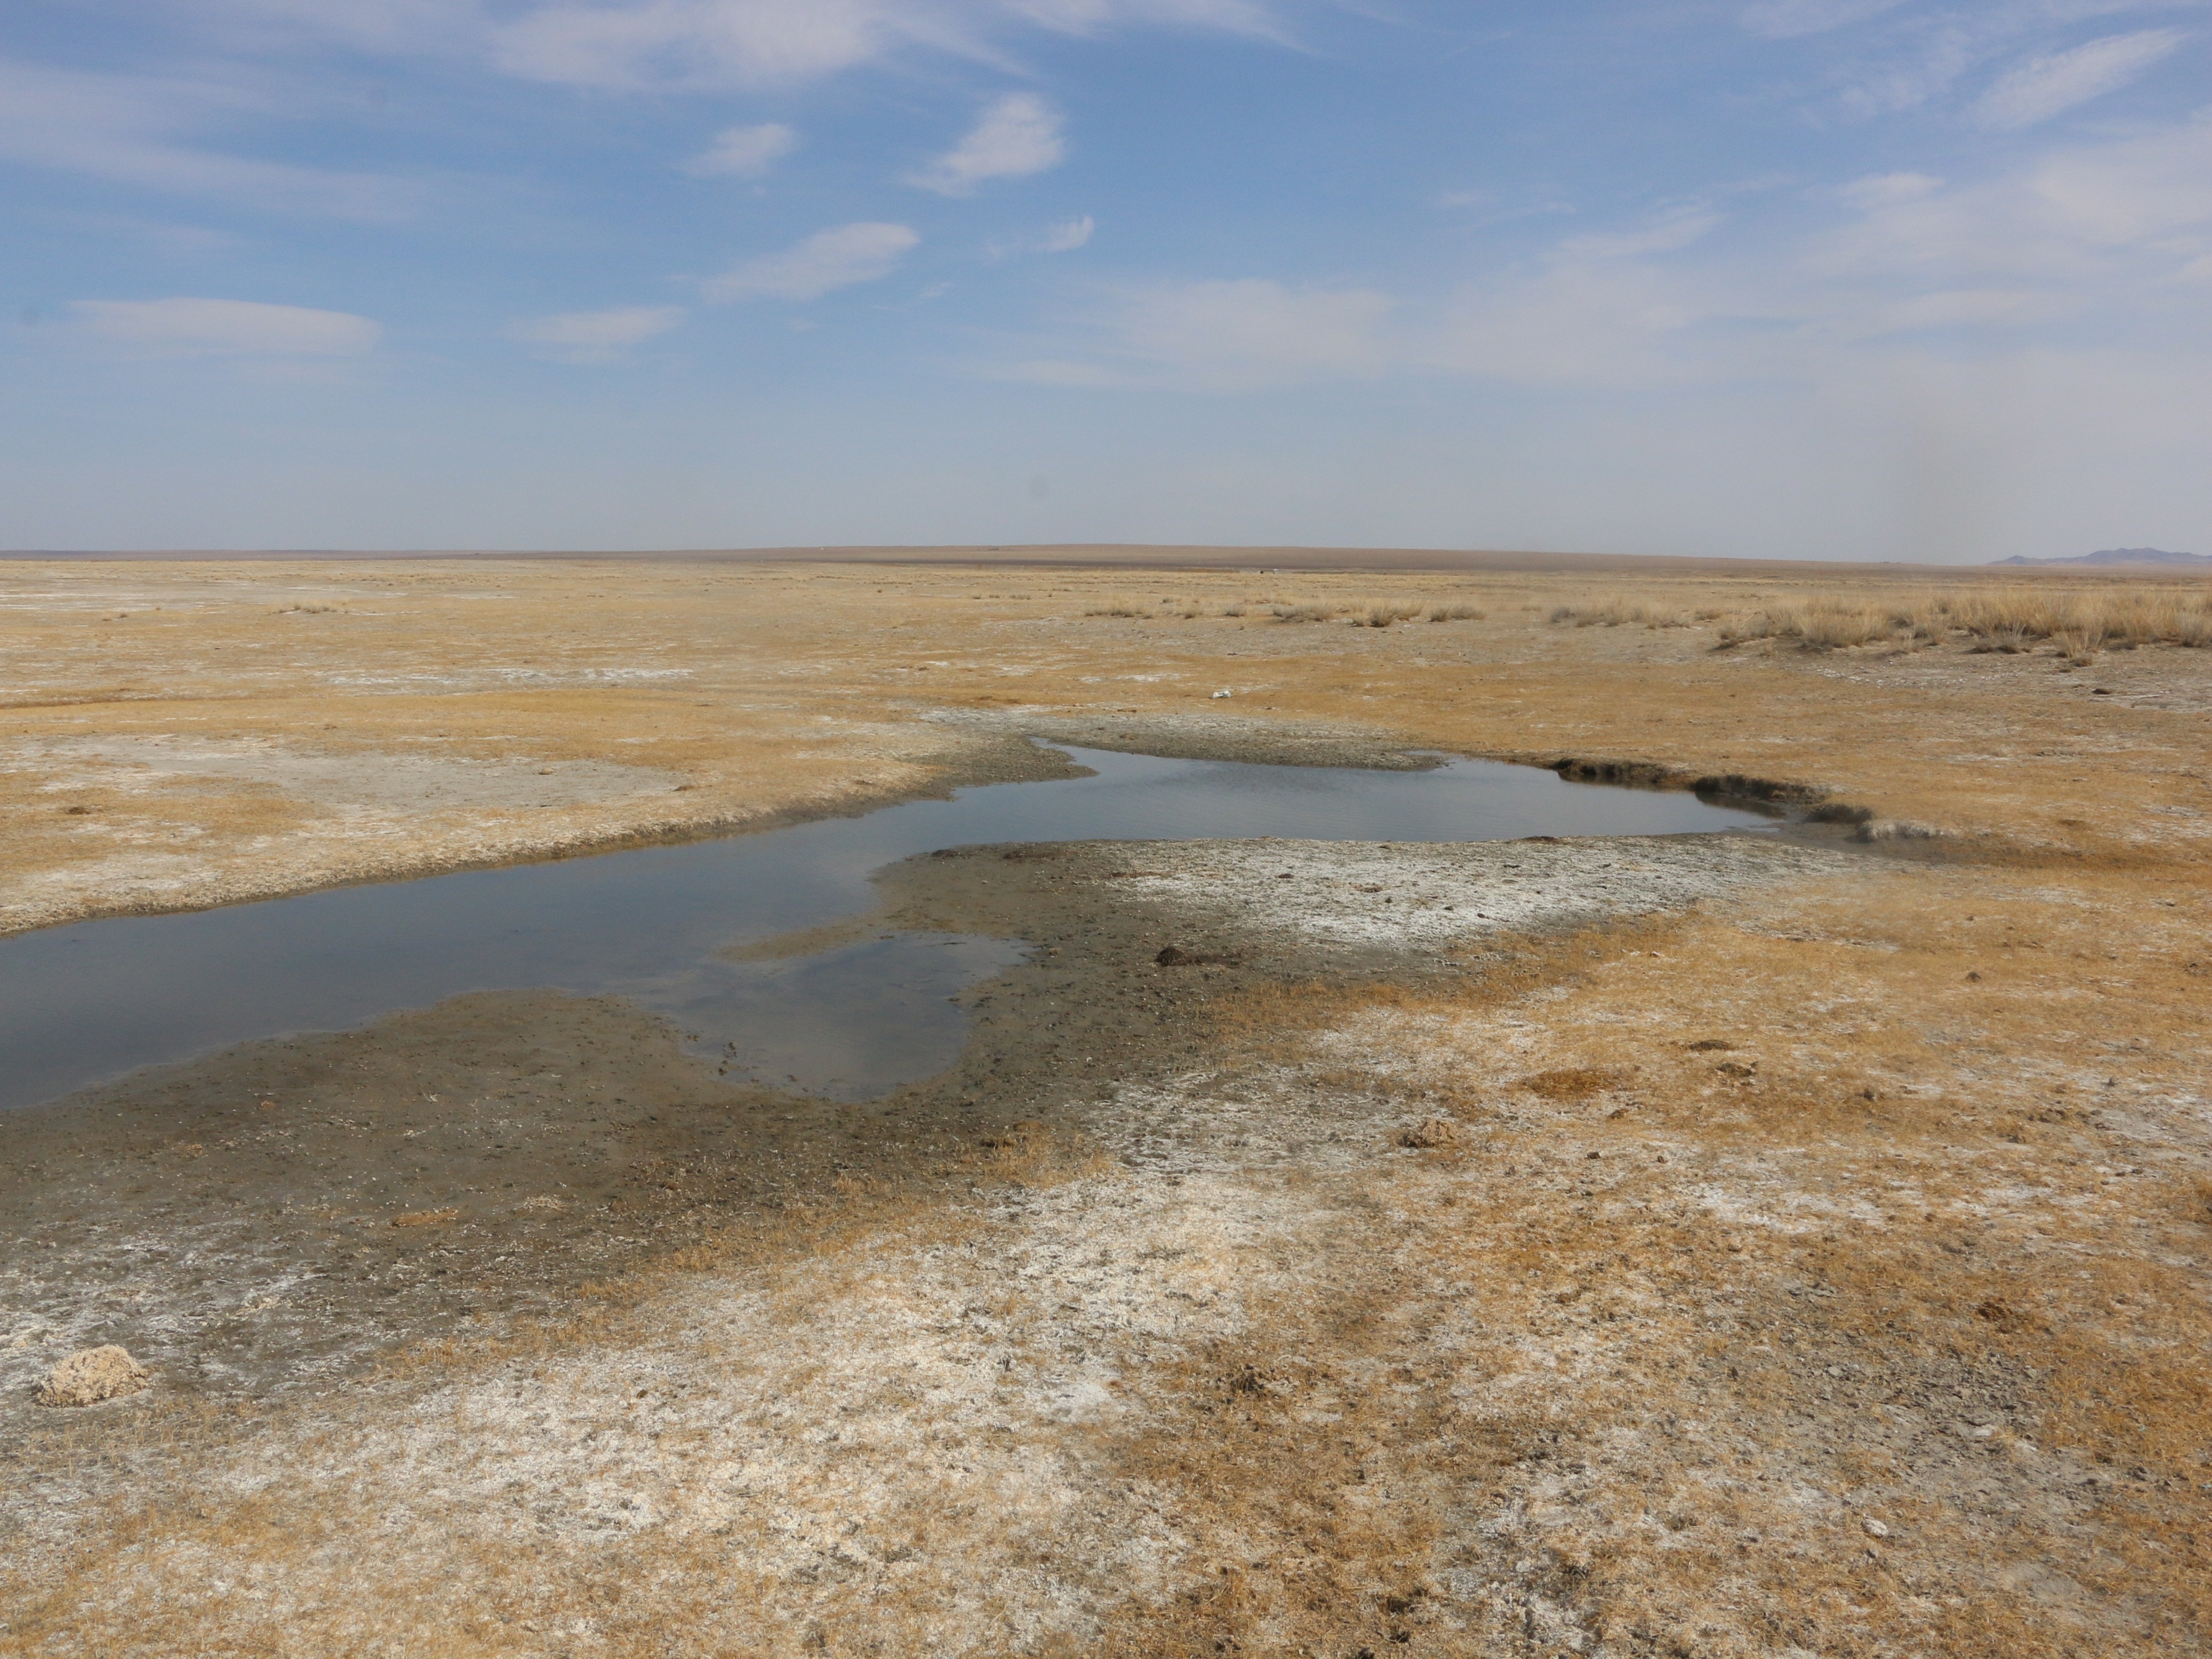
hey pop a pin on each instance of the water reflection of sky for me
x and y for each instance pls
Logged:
(91, 1001)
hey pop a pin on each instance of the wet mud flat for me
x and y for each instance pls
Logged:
(274, 1220)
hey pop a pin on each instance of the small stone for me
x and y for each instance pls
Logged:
(1222, 694)
(92, 1375)
(1873, 1527)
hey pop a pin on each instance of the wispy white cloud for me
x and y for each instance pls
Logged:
(1663, 233)
(137, 130)
(718, 43)
(744, 152)
(1068, 236)
(2106, 215)
(1064, 237)
(396, 25)
(192, 327)
(1906, 57)
(826, 261)
(1906, 261)
(597, 336)
(1020, 135)
(2049, 86)
(1930, 63)
(695, 43)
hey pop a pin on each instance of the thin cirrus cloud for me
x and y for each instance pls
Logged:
(1065, 237)
(2044, 86)
(597, 336)
(824, 262)
(1663, 233)
(744, 152)
(1018, 135)
(708, 43)
(137, 130)
(1068, 236)
(201, 328)
(1666, 301)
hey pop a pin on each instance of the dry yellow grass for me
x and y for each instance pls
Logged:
(1823, 1272)
(183, 734)
(2080, 621)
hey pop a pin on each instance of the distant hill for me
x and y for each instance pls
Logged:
(2118, 556)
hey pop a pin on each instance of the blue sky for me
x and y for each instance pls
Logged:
(1820, 278)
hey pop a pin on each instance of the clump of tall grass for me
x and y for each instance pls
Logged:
(2088, 619)
(1821, 624)
(1188, 610)
(1307, 613)
(1383, 613)
(1440, 613)
(2078, 622)
(1618, 613)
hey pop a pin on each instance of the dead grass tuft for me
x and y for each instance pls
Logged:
(1571, 1083)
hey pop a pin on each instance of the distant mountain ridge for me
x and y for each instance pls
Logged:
(2117, 556)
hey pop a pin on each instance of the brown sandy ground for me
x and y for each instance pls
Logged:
(1702, 1247)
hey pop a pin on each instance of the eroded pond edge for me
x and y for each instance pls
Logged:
(1005, 747)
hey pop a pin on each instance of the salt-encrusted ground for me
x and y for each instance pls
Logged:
(1666, 1248)
(1705, 1248)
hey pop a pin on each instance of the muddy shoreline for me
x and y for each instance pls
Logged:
(995, 749)
(276, 1219)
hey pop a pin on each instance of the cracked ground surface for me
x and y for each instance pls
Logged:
(1721, 1246)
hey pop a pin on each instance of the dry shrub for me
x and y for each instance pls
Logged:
(1118, 606)
(1307, 613)
(1440, 613)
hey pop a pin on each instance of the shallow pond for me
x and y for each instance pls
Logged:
(83, 1004)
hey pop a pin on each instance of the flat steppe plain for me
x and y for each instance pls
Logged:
(1692, 1247)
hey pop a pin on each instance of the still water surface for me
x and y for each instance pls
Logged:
(83, 1004)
